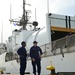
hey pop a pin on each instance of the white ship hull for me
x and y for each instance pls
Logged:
(66, 64)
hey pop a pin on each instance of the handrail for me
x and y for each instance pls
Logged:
(56, 47)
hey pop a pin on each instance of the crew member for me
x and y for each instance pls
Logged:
(35, 54)
(23, 54)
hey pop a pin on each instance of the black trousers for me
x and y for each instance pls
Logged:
(37, 64)
(22, 66)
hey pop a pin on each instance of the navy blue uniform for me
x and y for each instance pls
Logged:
(23, 54)
(35, 53)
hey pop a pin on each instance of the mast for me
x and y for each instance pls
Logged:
(24, 18)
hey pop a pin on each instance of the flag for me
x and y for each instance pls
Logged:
(14, 24)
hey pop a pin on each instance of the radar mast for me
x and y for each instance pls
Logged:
(24, 19)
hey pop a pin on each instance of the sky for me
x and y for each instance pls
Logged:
(63, 7)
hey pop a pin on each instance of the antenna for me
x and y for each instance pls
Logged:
(48, 6)
(35, 15)
(10, 12)
(11, 16)
(35, 23)
(2, 33)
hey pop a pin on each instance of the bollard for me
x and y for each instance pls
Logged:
(1, 71)
(51, 68)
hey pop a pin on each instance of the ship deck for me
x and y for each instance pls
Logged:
(59, 73)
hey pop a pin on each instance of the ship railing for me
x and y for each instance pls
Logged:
(65, 42)
(60, 43)
(60, 46)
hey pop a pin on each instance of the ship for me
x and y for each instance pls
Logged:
(56, 39)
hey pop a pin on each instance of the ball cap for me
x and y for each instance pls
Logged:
(23, 42)
(35, 42)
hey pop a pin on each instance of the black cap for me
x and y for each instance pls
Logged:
(23, 42)
(35, 42)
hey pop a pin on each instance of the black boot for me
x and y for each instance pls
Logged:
(38, 73)
(34, 73)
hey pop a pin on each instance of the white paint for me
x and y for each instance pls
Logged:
(66, 64)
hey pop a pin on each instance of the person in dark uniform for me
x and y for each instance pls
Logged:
(35, 54)
(23, 54)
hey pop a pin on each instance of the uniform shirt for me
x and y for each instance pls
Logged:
(35, 52)
(22, 52)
